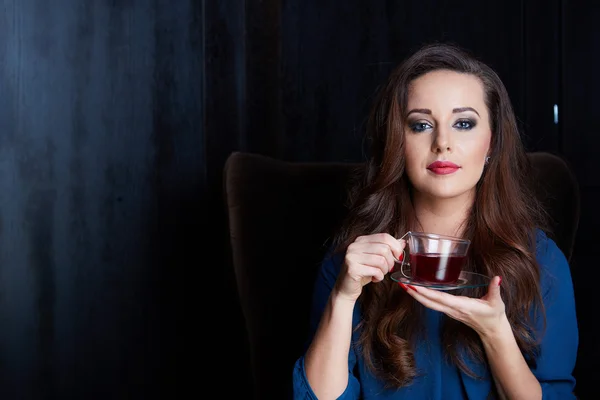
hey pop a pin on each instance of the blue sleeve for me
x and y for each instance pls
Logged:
(558, 349)
(326, 277)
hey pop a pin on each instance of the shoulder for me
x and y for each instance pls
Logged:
(548, 254)
(555, 271)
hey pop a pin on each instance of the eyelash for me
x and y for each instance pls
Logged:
(414, 126)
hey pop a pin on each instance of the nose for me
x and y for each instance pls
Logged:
(442, 139)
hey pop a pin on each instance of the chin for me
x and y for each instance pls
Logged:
(446, 193)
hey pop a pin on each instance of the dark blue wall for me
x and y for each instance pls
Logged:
(101, 160)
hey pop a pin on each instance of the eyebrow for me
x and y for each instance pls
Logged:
(463, 109)
(454, 111)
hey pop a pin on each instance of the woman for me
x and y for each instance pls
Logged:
(373, 338)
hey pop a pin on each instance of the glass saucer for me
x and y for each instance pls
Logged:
(465, 280)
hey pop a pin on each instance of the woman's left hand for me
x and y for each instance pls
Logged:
(485, 315)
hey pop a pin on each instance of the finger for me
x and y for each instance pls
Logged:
(372, 260)
(440, 297)
(377, 275)
(377, 249)
(367, 271)
(427, 302)
(395, 245)
(385, 252)
(493, 293)
(398, 250)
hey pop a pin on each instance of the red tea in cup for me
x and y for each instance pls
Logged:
(436, 268)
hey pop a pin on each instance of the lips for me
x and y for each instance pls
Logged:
(442, 167)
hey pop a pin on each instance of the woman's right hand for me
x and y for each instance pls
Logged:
(368, 259)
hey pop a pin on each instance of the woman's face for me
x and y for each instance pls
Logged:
(447, 134)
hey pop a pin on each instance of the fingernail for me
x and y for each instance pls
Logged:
(401, 257)
(402, 285)
(412, 287)
(499, 281)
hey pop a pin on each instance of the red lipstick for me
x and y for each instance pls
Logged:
(443, 167)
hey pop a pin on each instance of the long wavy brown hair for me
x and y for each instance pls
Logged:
(502, 225)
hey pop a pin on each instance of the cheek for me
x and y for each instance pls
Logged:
(478, 149)
(412, 159)
(415, 150)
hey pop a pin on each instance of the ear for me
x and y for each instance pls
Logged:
(488, 155)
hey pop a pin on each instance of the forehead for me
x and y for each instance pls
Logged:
(446, 89)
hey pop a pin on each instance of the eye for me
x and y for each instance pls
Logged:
(465, 124)
(419, 127)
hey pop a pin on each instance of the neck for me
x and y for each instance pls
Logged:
(442, 216)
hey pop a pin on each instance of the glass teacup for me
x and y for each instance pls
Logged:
(433, 258)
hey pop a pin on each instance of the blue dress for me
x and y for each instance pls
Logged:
(439, 379)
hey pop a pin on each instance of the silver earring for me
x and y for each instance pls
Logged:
(487, 160)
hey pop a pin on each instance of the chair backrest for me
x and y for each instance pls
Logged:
(282, 216)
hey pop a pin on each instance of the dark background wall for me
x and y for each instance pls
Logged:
(116, 119)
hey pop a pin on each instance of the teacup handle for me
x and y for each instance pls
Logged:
(403, 263)
(404, 257)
